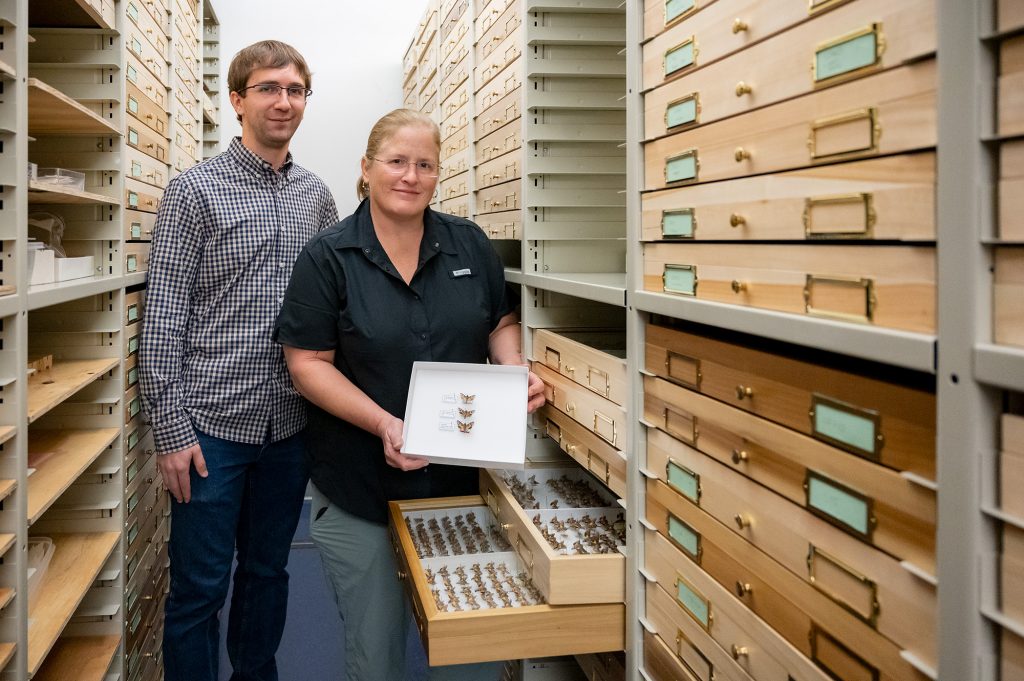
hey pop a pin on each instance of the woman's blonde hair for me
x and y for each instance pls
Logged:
(385, 129)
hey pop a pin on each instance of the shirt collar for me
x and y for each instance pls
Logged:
(255, 163)
(436, 235)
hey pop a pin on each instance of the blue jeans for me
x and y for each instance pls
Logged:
(251, 501)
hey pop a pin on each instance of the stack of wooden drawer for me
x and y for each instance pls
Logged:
(790, 514)
(497, 154)
(410, 95)
(426, 61)
(586, 388)
(1011, 477)
(187, 84)
(456, 45)
(811, 123)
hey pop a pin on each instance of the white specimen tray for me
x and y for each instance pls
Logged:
(498, 435)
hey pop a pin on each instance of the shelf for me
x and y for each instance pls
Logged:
(7, 70)
(999, 365)
(9, 304)
(68, 378)
(6, 487)
(899, 348)
(586, 6)
(134, 279)
(40, 192)
(6, 653)
(591, 101)
(514, 276)
(587, 37)
(77, 559)
(6, 433)
(79, 658)
(602, 287)
(64, 14)
(45, 295)
(6, 542)
(73, 451)
(51, 112)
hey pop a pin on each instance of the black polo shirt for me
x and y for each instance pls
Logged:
(346, 296)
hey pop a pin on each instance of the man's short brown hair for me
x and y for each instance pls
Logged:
(266, 54)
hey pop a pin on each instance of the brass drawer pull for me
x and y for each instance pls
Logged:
(744, 589)
(738, 286)
(739, 651)
(742, 521)
(741, 154)
(737, 220)
(744, 392)
(739, 456)
(743, 89)
(739, 26)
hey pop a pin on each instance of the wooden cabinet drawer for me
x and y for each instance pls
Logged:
(455, 164)
(458, 206)
(1008, 305)
(147, 141)
(428, 104)
(501, 169)
(139, 196)
(188, 74)
(896, 422)
(427, 75)
(890, 198)
(148, 25)
(146, 82)
(590, 451)
(134, 306)
(1012, 572)
(896, 515)
(187, 125)
(748, 20)
(187, 97)
(502, 225)
(131, 372)
(454, 144)
(491, 633)
(500, 198)
(854, 40)
(603, 666)
(454, 187)
(455, 123)
(457, 37)
(494, 24)
(683, 595)
(454, 67)
(136, 257)
(138, 226)
(188, 61)
(145, 169)
(186, 143)
(1011, 190)
(499, 114)
(1011, 86)
(661, 663)
(1011, 656)
(504, 83)
(885, 286)
(139, 46)
(453, 14)
(453, 98)
(565, 571)
(1011, 466)
(503, 140)
(1009, 16)
(138, 451)
(890, 112)
(802, 612)
(594, 359)
(596, 413)
(504, 54)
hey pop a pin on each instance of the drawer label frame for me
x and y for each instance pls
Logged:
(680, 223)
(853, 429)
(682, 168)
(708, 666)
(816, 558)
(868, 115)
(131, 263)
(685, 538)
(132, 441)
(693, 362)
(848, 56)
(865, 231)
(676, 10)
(865, 286)
(689, 438)
(840, 505)
(683, 480)
(683, 111)
(133, 345)
(679, 279)
(680, 57)
(696, 605)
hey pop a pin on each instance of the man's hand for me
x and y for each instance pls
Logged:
(174, 468)
(534, 393)
(391, 434)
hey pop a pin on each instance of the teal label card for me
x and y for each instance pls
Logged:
(684, 536)
(682, 112)
(136, 230)
(133, 532)
(836, 502)
(136, 621)
(695, 604)
(845, 427)
(132, 600)
(133, 376)
(133, 407)
(133, 137)
(133, 11)
(133, 199)
(677, 224)
(133, 105)
(133, 313)
(680, 57)
(849, 55)
(132, 74)
(133, 345)
(136, 45)
(677, 8)
(129, 569)
(133, 501)
(136, 169)
(133, 440)
(685, 481)
(681, 279)
(681, 168)
(132, 263)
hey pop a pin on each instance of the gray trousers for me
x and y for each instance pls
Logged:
(360, 567)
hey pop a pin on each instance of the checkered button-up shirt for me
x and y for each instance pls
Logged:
(227, 234)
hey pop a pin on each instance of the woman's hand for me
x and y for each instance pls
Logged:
(534, 393)
(390, 432)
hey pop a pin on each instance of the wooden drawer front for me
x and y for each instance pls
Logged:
(503, 225)
(499, 114)
(804, 615)
(899, 421)
(145, 22)
(501, 56)
(1012, 572)
(458, 207)
(139, 75)
(501, 141)
(891, 112)
(427, 75)
(454, 144)
(456, 164)
(428, 104)
(188, 76)
(134, 307)
(602, 460)
(494, 633)
(131, 340)
(411, 102)
(1012, 656)
(595, 413)
(139, 196)
(136, 257)
(1011, 86)
(1007, 302)
(869, 583)
(603, 666)
(683, 595)
(662, 663)
(593, 359)
(455, 187)
(451, 64)
(138, 226)
(500, 198)
(453, 100)
(187, 125)
(455, 123)
(748, 20)
(454, 13)
(1011, 190)
(897, 515)
(140, 47)
(188, 30)
(188, 62)
(146, 111)
(564, 579)
(501, 169)
(187, 97)
(1009, 16)
(505, 82)
(139, 450)
(409, 84)
(131, 372)
(147, 141)
(187, 144)
(457, 37)
(856, 39)
(890, 198)
(141, 493)
(1011, 466)
(494, 25)
(890, 286)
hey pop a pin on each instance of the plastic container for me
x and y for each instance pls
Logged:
(40, 552)
(69, 179)
(73, 268)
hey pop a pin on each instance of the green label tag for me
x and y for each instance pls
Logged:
(677, 8)
(133, 313)
(134, 406)
(685, 481)
(129, 569)
(133, 345)
(677, 224)
(681, 168)
(132, 600)
(133, 137)
(136, 621)
(132, 470)
(133, 11)
(133, 105)
(694, 603)
(136, 45)
(136, 169)
(836, 502)
(133, 199)
(681, 279)
(679, 57)
(682, 112)
(684, 536)
(131, 263)
(133, 376)
(846, 427)
(133, 501)
(133, 440)
(136, 230)
(857, 52)
(133, 532)
(132, 74)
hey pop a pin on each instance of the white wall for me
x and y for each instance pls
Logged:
(355, 50)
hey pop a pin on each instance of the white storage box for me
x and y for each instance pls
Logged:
(69, 179)
(73, 268)
(40, 551)
(40, 264)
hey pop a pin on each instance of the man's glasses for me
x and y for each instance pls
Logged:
(398, 166)
(273, 90)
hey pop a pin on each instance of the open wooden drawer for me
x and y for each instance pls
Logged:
(507, 618)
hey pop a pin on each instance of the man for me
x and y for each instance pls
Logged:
(224, 414)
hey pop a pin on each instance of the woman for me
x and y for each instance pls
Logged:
(393, 283)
